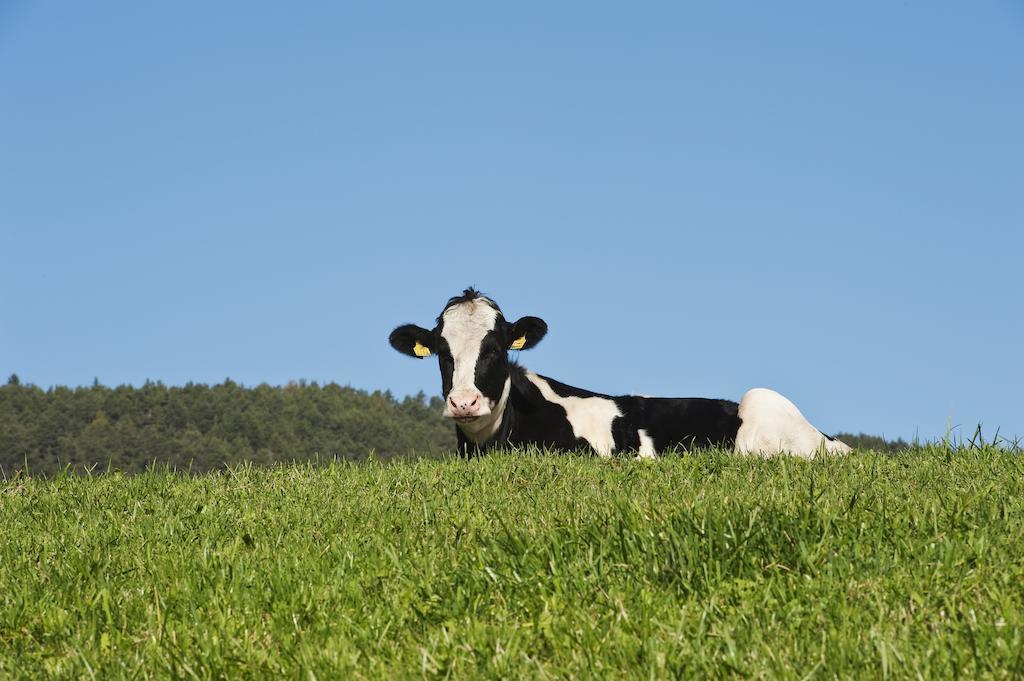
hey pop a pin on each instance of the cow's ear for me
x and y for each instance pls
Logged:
(412, 340)
(526, 333)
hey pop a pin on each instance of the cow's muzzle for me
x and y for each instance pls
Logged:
(466, 404)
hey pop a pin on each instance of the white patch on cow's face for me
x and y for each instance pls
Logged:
(590, 417)
(464, 327)
(773, 425)
(646, 446)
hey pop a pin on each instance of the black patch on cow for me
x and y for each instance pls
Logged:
(491, 370)
(683, 422)
(446, 363)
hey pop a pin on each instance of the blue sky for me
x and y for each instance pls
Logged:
(699, 198)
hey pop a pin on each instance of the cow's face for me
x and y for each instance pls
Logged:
(471, 341)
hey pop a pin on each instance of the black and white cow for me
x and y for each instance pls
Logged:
(496, 402)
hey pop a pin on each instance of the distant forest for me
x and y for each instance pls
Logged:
(201, 427)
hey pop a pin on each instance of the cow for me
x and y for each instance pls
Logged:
(496, 403)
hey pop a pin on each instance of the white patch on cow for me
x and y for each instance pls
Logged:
(646, 446)
(590, 417)
(483, 428)
(773, 425)
(465, 326)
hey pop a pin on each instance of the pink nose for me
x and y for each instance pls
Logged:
(465, 404)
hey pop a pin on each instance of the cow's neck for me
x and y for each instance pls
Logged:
(513, 414)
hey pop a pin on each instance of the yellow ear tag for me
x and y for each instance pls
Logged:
(420, 349)
(518, 343)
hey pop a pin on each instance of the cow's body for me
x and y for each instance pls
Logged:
(497, 403)
(541, 411)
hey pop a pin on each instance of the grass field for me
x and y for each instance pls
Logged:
(537, 565)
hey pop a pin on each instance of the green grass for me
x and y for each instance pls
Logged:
(536, 565)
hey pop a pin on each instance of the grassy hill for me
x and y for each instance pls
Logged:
(522, 565)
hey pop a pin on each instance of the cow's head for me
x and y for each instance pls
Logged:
(471, 341)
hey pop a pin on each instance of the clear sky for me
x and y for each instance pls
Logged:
(823, 198)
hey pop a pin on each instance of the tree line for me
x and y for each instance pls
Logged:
(201, 427)
(875, 442)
